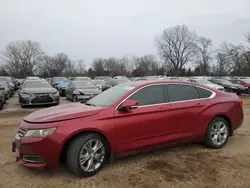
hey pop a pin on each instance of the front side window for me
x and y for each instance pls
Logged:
(178, 92)
(149, 95)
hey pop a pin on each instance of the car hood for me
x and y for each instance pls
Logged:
(39, 90)
(215, 86)
(62, 113)
(90, 90)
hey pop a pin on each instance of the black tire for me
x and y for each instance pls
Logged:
(1, 104)
(208, 138)
(238, 93)
(73, 152)
(75, 98)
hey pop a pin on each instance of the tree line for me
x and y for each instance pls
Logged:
(179, 48)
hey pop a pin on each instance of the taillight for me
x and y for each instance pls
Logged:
(241, 103)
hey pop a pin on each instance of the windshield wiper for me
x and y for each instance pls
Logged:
(89, 104)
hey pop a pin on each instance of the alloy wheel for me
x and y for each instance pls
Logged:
(219, 133)
(92, 155)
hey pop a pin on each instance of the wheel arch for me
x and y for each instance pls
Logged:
(73, 136)
(227, 120)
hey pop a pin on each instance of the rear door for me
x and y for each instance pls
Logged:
(186, 111)
(147, 124)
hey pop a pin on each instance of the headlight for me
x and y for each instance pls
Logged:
(25, 94)
(77, 92)
(40, 133)
(55, 93)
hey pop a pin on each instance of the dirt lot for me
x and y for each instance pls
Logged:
(191, 166)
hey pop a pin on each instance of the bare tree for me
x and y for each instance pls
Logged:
(60, 62)
(176, 46)
(98, 66)
(21, 57)
(248, 37)
(222, 67)
(81, 68)
(204, 54)
(232, 54)
(146, 65)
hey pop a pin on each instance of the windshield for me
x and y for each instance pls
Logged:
(58, 79)
(36, 84)
(83, 85)
(225, 82)
(119, 81)
(110, 96)
(204, 81)
(99, 82)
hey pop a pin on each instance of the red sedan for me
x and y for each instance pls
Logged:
(125, 119)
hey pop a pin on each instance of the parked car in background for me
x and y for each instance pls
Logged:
(38, 92)
(114, 82)
(81, 90)
(62, 86)
(120, 78)
(82, 78)
(229, 86)
(6, 90)
(10, 83)
(55, 81)
(207, 83)
(32, 78)
(99, 83)
(244, 82)
(106, 78)
(124, 119)
(2, 96)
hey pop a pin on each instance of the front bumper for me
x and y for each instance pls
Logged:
(37, 152)
(39, 100)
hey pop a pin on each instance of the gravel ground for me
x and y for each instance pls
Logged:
(188, 166)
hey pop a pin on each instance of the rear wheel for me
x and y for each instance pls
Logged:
(238, 93)
(217, 133)
(87, 154)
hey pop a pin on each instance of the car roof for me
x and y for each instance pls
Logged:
(144, 83)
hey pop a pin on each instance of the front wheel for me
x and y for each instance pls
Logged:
(87, 154)
(217, 133)
(75, 98)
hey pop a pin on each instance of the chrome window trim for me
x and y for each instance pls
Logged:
(211, 96)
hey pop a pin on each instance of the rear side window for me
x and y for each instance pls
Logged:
(149, 95)
(203, 93)
(178, 92)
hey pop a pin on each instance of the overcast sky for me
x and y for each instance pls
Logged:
(101, 28)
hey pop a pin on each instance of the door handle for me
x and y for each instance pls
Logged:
(199, 105)
(162, 109)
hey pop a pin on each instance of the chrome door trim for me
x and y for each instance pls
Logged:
(211, 96)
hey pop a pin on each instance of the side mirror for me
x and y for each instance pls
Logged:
(128, 105)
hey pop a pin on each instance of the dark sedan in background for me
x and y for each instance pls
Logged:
(56, 80)
(81, 91)
(38, 92)
(229, 86)
(243, 82)
(113, 82)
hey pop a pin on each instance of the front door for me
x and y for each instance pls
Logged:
(145, 125)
